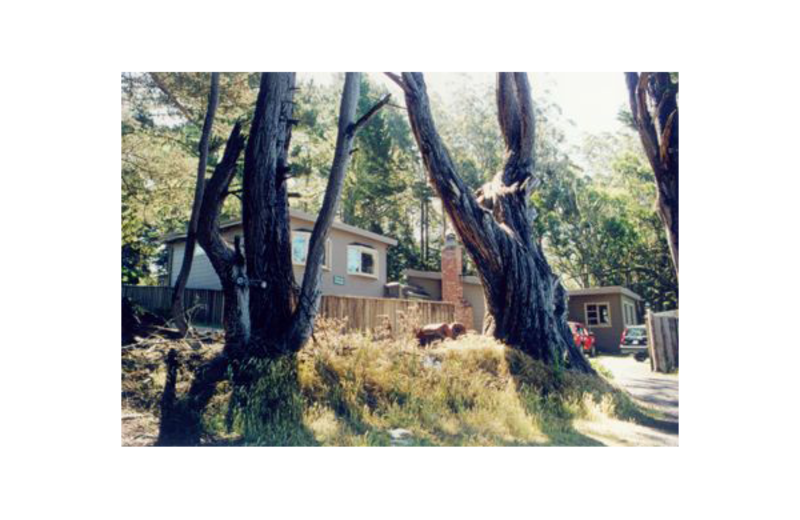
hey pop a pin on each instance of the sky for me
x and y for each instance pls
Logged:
(590, 100)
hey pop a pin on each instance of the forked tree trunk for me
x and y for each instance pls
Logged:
(654, 106)
(266, 319)
(178, 308)
(525, 300)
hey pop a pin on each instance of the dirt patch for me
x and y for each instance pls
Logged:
(138, 429)
(144, 375)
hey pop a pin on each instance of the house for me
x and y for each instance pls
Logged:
(606, 311)
(354, 261)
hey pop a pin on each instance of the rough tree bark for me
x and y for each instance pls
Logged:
(654, 105)
(267, 320)
(526, 302)
(178, 310)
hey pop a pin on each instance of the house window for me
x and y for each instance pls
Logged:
(362, 260)
(301, 240)
(598, 314)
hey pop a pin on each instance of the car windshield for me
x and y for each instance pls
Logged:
(635, 333)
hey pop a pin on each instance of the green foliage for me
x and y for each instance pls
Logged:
(468, 125)
(603, 229)
(379, 183)
(597, 229)
(383, 180)
(161, 124)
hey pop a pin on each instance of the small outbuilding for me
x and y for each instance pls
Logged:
(606, 311)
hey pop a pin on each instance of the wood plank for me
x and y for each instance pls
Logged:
(658, 343)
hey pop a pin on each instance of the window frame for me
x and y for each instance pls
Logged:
(364, 249)
(598, 304)
(629, 311)
(328, 249)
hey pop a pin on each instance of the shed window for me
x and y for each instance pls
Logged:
(598, 315)
(630, 313)
(362, 260)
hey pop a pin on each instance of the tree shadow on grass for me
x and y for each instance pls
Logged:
(543, 392)
(558, 428)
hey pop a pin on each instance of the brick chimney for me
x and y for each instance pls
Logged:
(452, 284)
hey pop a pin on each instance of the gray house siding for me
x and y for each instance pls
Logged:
(203, 276)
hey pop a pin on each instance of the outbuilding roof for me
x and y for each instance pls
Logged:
(612, 289)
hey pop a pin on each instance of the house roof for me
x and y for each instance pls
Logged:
(613, 289)
(436, 275)
(300, 215)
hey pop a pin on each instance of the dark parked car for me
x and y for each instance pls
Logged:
(634, 340)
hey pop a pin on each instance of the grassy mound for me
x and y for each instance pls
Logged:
(359, 390)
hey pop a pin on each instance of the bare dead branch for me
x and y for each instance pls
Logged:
(398, 80)
(355, 127)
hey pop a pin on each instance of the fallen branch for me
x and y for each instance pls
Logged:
(132, 416)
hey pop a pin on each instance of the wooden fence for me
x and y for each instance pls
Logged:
(662, 344)
(205, 308)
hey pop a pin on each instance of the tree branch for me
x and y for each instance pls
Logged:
(398, 80)
(311, 289)
(177, 298)
(637, 95)
(355, 127)
(219, 252)
(509, 114)
(162, 86)
(476, 226)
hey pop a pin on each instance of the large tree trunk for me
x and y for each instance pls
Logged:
(658, 131)
(524, 298)
(178, 311)
(267, 320)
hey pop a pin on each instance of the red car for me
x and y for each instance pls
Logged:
(583, 337)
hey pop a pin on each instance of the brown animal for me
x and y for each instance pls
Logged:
(439, 332)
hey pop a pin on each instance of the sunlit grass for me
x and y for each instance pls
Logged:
(356, 390)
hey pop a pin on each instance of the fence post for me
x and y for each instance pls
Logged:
(662, 344)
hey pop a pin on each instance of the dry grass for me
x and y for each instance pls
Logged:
(359, 388)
